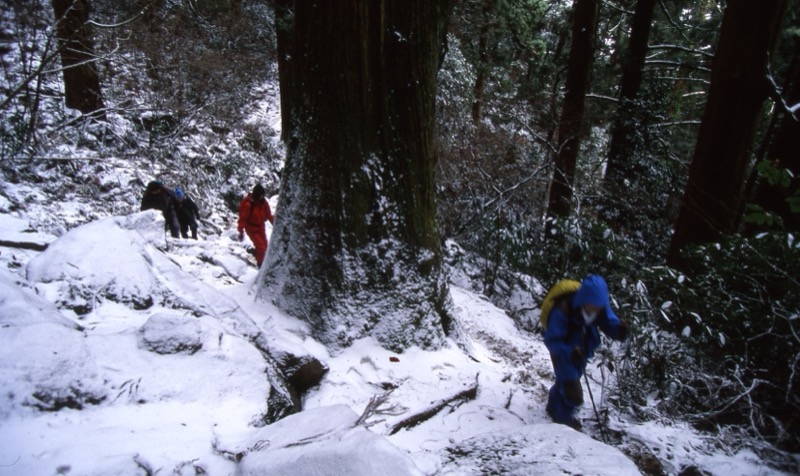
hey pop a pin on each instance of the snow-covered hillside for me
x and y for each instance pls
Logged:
(124, 353)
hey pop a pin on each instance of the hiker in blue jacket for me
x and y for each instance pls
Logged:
(187, 212)
(159, 197)
(572, 337)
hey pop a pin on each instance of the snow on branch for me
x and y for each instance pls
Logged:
(777, 96)
(677, 64)
(681, 48)
(378, 405)
(465, 395)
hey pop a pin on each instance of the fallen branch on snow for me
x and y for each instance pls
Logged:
(24, 245)
(465, 395)
(379, 405)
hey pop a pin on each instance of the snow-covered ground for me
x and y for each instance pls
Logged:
(124, 353)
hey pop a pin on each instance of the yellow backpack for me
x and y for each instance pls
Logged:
(562, 287)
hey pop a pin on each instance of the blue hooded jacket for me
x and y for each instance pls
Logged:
(565, 331)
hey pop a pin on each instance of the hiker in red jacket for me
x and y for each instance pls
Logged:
(254, 212)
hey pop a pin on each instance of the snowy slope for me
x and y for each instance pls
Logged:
(174, 384)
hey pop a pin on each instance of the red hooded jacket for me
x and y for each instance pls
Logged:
(253, 214)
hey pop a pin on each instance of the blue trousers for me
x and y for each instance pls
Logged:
(563, 401)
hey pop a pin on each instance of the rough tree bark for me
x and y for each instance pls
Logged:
(355, 250)
(739, 86)
(620, 170)
(284, 21)
(81, 82)
(483, 66)
(570, 129)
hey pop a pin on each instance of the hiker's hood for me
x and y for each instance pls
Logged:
(594, 291)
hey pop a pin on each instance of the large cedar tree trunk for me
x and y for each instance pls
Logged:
(622, 170)
(570, 129)
(355, 250)
(81, 82)
(712, 200)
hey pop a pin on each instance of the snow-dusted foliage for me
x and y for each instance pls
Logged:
(215, 144)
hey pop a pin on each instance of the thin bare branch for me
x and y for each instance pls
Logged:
(681, 48)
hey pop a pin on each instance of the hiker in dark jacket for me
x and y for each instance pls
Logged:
(254, 211)
(572, 337)
(158, 197)
(187, 212)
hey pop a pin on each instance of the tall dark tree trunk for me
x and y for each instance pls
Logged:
(284, 26)
(483, 65)
(355, 250)
(581, 57)
(739, 86)
(552, 109)
(81, 82)
(621, 170)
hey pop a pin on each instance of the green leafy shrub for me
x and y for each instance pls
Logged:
(720, 345)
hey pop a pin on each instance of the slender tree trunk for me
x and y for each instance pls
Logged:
(81, 82)
(620, 170)
(552, 114)
(483, 66)
(355, 250)
(711, 202)
(581, 57)
(783, 152)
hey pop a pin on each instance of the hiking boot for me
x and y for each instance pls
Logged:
(575, 424)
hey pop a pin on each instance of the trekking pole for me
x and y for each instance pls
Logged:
(596, 414)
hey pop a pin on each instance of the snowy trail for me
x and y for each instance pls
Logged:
(133, 410)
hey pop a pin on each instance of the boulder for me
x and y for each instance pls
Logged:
(171, 334)
(326, 441)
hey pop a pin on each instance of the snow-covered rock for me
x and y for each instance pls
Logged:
(110, 258)
(326, 441)
(117, 259)
(170, 334)
(536, 449)
(44, 361)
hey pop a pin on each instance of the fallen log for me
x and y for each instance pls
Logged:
(23, 245)
(463, 396)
